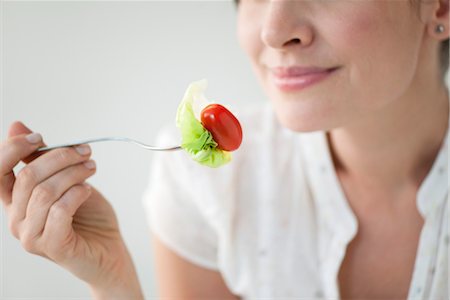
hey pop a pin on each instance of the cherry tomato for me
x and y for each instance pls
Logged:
(223, 125)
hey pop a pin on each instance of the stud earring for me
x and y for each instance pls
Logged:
(440, 28)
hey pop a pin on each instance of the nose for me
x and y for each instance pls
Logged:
(284, 25)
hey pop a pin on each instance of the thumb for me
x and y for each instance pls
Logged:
(17, 128)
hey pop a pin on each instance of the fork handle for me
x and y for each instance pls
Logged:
(105, 139)
(73, 144)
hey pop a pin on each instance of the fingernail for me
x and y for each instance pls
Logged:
(34, 138)
(90, 164)
(83, 149)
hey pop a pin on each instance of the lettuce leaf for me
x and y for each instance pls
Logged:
(195, 139)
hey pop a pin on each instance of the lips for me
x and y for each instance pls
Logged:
(297, 78)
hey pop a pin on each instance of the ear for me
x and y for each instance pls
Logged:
(439, 23)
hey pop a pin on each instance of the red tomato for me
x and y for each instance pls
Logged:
(223, 125)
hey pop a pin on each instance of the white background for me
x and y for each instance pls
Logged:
(75, 70)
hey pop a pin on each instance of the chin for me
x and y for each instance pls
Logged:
(300, 117)
(298, 122)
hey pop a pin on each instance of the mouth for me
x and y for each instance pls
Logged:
(296, 78)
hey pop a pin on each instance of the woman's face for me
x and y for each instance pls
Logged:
(325, 63)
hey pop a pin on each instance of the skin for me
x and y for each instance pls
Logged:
(364, 107)
(388, 88)
(56, 215)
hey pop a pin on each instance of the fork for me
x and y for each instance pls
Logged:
(104, 139)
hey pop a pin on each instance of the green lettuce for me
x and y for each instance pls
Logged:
(195, 139)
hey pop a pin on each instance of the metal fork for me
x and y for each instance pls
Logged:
(118, 139)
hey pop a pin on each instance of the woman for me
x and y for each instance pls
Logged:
(341, 194)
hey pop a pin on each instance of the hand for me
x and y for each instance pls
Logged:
(55, 214)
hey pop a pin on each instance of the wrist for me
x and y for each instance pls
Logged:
(126, 287)
(123, 292)
(123, 284)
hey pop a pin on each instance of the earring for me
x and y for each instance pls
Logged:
(440, 28)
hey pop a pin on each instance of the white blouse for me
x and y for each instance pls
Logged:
(275, 221)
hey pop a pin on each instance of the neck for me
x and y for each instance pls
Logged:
(397, 145)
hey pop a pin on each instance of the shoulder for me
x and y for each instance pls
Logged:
(240, 208)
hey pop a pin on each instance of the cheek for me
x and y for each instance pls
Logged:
(379, 45)
(355, 41)
(355, 37)
(246, 33)
(355, 26)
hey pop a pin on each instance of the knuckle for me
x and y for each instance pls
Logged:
(42, 193)
(58, 211)
(29, 244)
(78, 191)
(13, 227)
(80, 173)
(64, 155)
(26, 177)
(73, 191)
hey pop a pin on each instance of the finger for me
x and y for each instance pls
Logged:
(58, 235)
(18, 128)
(12, 151)
(49, 191)
(7, 181)
(38, 171)
(58, 224)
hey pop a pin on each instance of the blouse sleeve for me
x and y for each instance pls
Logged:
(174, 215)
